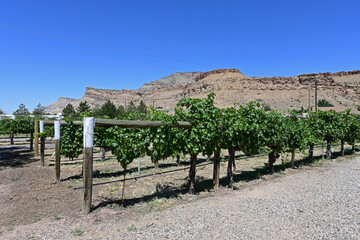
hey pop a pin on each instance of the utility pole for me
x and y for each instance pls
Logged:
(316, 101)
(309, 96)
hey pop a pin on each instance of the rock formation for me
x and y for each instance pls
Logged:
(231, 87)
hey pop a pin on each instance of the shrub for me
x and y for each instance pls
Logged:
(324, 103)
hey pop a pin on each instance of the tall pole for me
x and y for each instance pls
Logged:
(316, 101)
(36, 140)
(309, 96)
(42, 144)
(89, 125)
(57, 150)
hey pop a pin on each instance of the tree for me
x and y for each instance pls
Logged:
(22, 111)
(131, 108)
(96, 111)
(142, 107)
(108, 109)
(231, 139)
(69, 110)
(313, 132)
(296, 135)
(332, 127)
(242, 131)
(6, 126)
(83, 107)
(1, 111)
(121, 112)
(39, 111)
(274, 134)
(126, 144)
(324, 103)
(162, 139)
(71, 139)
(345, 125)
(353, 131)
(14, 126)
(205, 135)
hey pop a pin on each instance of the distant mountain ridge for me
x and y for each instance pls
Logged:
(173, 79)
(57, 106)
(231, 86)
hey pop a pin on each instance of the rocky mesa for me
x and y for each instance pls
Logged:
(231, 86)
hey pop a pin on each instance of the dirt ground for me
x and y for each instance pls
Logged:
(29, 194)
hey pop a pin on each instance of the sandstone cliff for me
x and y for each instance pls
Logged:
(231, 86)
(59, 105)
(174, 79)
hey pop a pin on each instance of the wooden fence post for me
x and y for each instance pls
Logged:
(42, 144)
(31, 134)
(139, 166)
(103, 154)
(36, 140)
(89, 124)
(216, 171)
(293, 158)
(57, 150)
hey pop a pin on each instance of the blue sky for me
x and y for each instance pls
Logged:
(51, 49)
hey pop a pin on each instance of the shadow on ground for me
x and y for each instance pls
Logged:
(15, 156)
(202, 184)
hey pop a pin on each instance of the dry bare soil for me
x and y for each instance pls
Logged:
(33, 206)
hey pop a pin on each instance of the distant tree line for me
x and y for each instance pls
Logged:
(107, 110)
(22, 111)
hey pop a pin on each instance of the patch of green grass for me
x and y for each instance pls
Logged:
(10, 228)
(131, 228)
(107, 170)
(77, 232)
(14, 179)
(56, 217)
(72, 207)
(69, 185)
(201, 168)
(185, 184)
(36, 219)
(241, 182)
(114, 189)
(250, 189)
(156, 204)
(318, 163)
(110, 160)
(115, 206)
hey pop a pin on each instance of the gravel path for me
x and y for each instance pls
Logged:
(320, 203)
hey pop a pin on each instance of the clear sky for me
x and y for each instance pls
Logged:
(51, 49)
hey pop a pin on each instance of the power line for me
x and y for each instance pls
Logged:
(101, 45)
